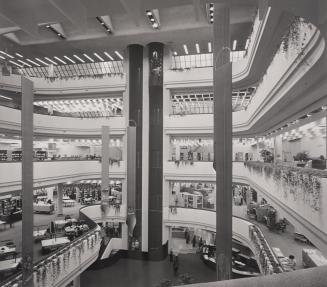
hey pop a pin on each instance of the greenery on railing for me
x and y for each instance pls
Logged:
(305, 182)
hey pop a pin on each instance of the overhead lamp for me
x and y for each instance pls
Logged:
(78, 58)
(24, 63)
(6, 98)
(104, 24)
(100, 58)
(197, 47)
(185, 49)
(119, 55)
(153, 16)
(69, 59)
(15, 64)
(175, 53)
(88, 57)
(42, 62)
(209, 47)
(108, 55)
(234, 45)
(19, 55)
(6, 54)
(34, 63)
(51, 61)
(210, 12)
(56, 31)
(62, 61)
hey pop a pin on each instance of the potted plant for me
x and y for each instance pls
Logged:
(302, 158)
(267, 155)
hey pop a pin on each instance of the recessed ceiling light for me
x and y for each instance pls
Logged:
(234, 45)
(78, 58)
(155, 25)
(108, 55)
(209, 47)
(8, 55)
(175, 53)
(148, 12)
(197, 47)
(88, 57)
(100, 58)
(36, 64)
(19, 55)
(185, 49)
(48, 26)
(24, 63)
(15, 64)
(69, 59)
(62, 61)
(44, 63)
(51, 61)
(119, 55)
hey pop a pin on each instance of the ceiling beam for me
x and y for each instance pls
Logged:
(199, 9)
(73, 10)
(8, 11)
(133, 9)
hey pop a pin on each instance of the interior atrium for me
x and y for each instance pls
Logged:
(152, 143)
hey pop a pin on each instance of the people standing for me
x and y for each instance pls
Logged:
(193, 241)
(171, 255)
(188, 238)
(176, 265)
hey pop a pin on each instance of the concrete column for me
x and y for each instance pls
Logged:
(77, 281)
(27, 181)
(105, 164)
(222, 76)
(60, 199)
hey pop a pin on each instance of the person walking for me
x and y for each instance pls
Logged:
(171, 255)
(193, 241)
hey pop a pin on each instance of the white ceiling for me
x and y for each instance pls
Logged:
(23, 25)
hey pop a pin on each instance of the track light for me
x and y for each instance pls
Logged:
(153, 16)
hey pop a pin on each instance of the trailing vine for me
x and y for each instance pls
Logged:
(293, 180)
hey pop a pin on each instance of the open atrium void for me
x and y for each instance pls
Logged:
(154, 143)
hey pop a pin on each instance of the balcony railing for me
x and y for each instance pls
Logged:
(59, 267)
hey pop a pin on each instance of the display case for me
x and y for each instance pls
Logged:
(192, 200)
(41, 155)
(16, 155)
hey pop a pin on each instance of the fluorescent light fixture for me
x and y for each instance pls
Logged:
(108, 55)
(24, 63)
(78, 58)
(100, 58)
(19, 55)
(88, 57)
(51, 61)
(185, 49)
(15, 64)
(234, 45)
(34, 63)
(247, 44)
(209, 47)
(3, 58)
(119, 55)
(69, 59)
(42, 62)
(197, 47)
(175, 53)
(11, 57)
(62, 61)
(7, 98)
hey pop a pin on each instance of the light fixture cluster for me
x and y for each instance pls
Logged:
(104, 24)
(210, 12)
(295, 122)
(153, 19)
(198, 49)
(100, 107)
(54, 30)
(22, 62)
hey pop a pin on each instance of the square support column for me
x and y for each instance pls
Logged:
(105, 164)
(27, 181)
(222, 76)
